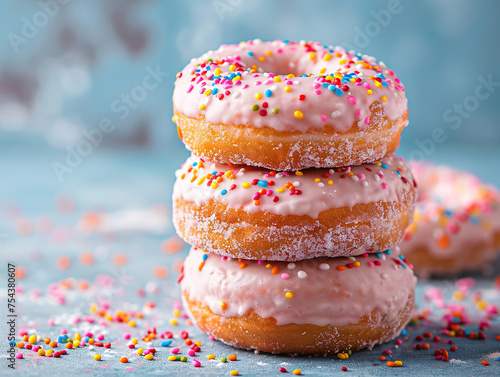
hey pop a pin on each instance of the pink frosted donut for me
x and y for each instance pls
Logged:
(289, 105)
(456, 226)
(316, 306)
(254, 213)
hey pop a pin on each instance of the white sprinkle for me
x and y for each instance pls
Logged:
(321, 184)
(384, 276)
(302, 274)
(291, 266)
(336, 114)
(331, 171)
(296, 183)
(324, 266)
(236, 95)
(365, 183)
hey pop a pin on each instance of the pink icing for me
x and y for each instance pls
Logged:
(455, 211)
(322, 98)
(312, 192)
(322, 295)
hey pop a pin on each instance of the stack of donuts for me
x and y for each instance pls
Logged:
(292, 199)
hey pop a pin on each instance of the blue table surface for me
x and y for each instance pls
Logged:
(39, 237)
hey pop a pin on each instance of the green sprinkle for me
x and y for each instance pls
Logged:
(255, 107)
(184, 358)
(276, 111)
(224, 359)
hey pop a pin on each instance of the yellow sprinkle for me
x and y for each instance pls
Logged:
(149, 356)
(330, 182)
(246, 185)
(287, 88)
(297, 372)
(277, 79)
(202, 106)
(234, 373)
(312, 55)
(173, 322)
(258, 96)
(298, 114)
(268, 265)
(172, 358)
(317, 180)
(132, 323)
(77, 336)
(177, 313)
(343, 61)
(290, 76)
(378, 84)
(214, 185)
(228, 173)
(232, 67)
(356, 264)
(32, 339)
(369, 91)
(140, 351)
(398, 363)
(482, 305)
(41, 352)
(327, 57)
(217, 72)
(211, 356)
(281, 189)
(48, 353)
(289, 295)
(384, 98)
(198, 343)
(76, 343)
(97, 357)
(322, 70)
(134, 340)
(207, 92)
(269, 53)
(299, 173)
(262, 59)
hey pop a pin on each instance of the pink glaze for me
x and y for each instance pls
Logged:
(313, 191)
(454, 213)
(322, 294)
(245, 100)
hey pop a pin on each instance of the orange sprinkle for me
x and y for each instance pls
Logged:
(341, 268)
(86, 258)
(274, 271)
(63, 262)
(160, 272)
(232, 357)
(243, 265)
(382, 358)
(172, 245)
(390, 363)
(223, 305)
(123, 359)
(485, 363)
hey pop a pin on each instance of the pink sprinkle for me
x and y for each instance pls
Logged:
(64, 331)
(126, 336)
(352, 100)
(175, 350)
(386, 352)
(190, 88)
(323, 117)
(285, 276)
(50, 322)
(210, 337)
(367, 120)
(384, 185)
(35, 348)
(100, 337)
(196, 363)
(358, 113)
(361, 176)
(191, 353)
(398, 342)
(260, 262)
(19, 356)
(371, 264)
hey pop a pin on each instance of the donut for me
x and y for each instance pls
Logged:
(315, 306)
(456, 225)
(288, 105)
(254, 213)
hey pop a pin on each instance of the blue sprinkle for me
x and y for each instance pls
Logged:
(12, 343)
(214, 172)
(166, 343)
(379, 255)
(286, 41)
(474, 220)
(223, 192)
(384, 83)
(269, 93)
(404, 332)
(402, 257)
(339, 92)
(388, 252)
(214, 91)
(325, 85)
(498, 359)
(304, 75)
(384, 165)
(448, 212)
(208, 68)
(205, 256)
(466, 332)
(403, 266)
(262, 183)
(331, 87)
(398, 172)
(195, 163)
(249, 53)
